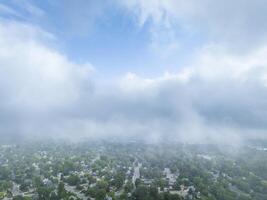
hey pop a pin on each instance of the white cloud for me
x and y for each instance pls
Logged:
(219, 94)
(239, 25)
(36, 80)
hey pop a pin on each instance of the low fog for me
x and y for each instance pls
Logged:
(218, 96)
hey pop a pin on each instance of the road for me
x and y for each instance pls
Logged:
(136, 174)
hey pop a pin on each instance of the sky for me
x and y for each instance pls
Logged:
(191, 71)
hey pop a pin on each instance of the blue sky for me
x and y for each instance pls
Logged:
(105, 34)
(191, 70)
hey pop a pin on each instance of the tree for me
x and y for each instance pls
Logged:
(43, 193)
(23, 187)
(73, 180)
(100, 194)
(128, 187)
(61, 191)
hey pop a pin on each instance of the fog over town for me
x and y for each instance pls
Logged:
(133, 99)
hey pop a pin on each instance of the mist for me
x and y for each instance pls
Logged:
(133, 100)
(216, 96)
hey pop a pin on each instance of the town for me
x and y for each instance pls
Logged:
(130, 171)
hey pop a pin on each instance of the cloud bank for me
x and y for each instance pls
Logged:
(220, 96)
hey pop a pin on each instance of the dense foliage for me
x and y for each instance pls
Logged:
(132, 171)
